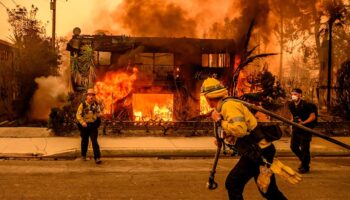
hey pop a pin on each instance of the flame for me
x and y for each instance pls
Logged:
(163, 113)
(157, 107)
(138, 116)
(237, 62)
(204, 106)
(245, 79)
(243, 86)
(113, 87)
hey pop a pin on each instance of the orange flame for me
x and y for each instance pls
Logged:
(237, 62)
(153, 107)
(244, 80)
(138, 116)
(113, 87)
(162, 113)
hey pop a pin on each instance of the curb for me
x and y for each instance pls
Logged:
(156, 153)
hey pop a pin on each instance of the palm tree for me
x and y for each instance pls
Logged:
(247, 57)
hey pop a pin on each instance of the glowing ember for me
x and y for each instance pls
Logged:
(204, 106)
(153, 107)
(113, 87)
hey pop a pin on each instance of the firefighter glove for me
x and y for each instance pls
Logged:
(286, 172)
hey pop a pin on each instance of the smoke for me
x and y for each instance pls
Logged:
(153, 18)
(50, 93)
(182, 18)
(221, 19)
(191, 18)
(252, 10)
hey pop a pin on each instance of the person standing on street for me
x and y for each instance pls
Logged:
(304, 113)
(88, 122)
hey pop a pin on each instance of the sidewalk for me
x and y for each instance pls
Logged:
(41, 145)
(69, 147)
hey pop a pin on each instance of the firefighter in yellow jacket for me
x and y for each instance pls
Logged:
(89, 121)
(240, 129)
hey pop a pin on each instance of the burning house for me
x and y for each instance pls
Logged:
(148, 78)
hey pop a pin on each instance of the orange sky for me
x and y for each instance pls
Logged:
(70, 13)
(92, 15)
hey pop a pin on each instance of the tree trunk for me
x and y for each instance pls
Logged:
(329, 69)
(281, 50)
(320, 49)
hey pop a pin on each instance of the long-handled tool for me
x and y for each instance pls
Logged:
(211, 184)
(314, 132)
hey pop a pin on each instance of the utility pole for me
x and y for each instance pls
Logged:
(53, 8)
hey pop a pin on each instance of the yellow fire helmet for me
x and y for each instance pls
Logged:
(212, 88)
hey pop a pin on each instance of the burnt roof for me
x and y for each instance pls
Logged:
(123, 43)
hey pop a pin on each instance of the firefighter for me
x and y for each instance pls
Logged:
(239, 126)
(88, 122)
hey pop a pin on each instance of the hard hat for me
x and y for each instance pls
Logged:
(212, 88)
(90, 91)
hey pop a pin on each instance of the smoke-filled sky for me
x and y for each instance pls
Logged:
(70, 13)
(172, 18)
(164, 18)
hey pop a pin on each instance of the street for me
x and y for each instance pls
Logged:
(152, 178)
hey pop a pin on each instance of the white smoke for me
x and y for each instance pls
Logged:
(52, 91)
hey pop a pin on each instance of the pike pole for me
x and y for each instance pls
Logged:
(274, 115)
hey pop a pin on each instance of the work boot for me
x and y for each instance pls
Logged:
(303, 170)
(98, 161)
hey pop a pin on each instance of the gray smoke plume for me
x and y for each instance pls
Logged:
(252, 10)
(154, 18)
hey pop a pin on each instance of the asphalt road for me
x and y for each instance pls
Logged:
(151, 178)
